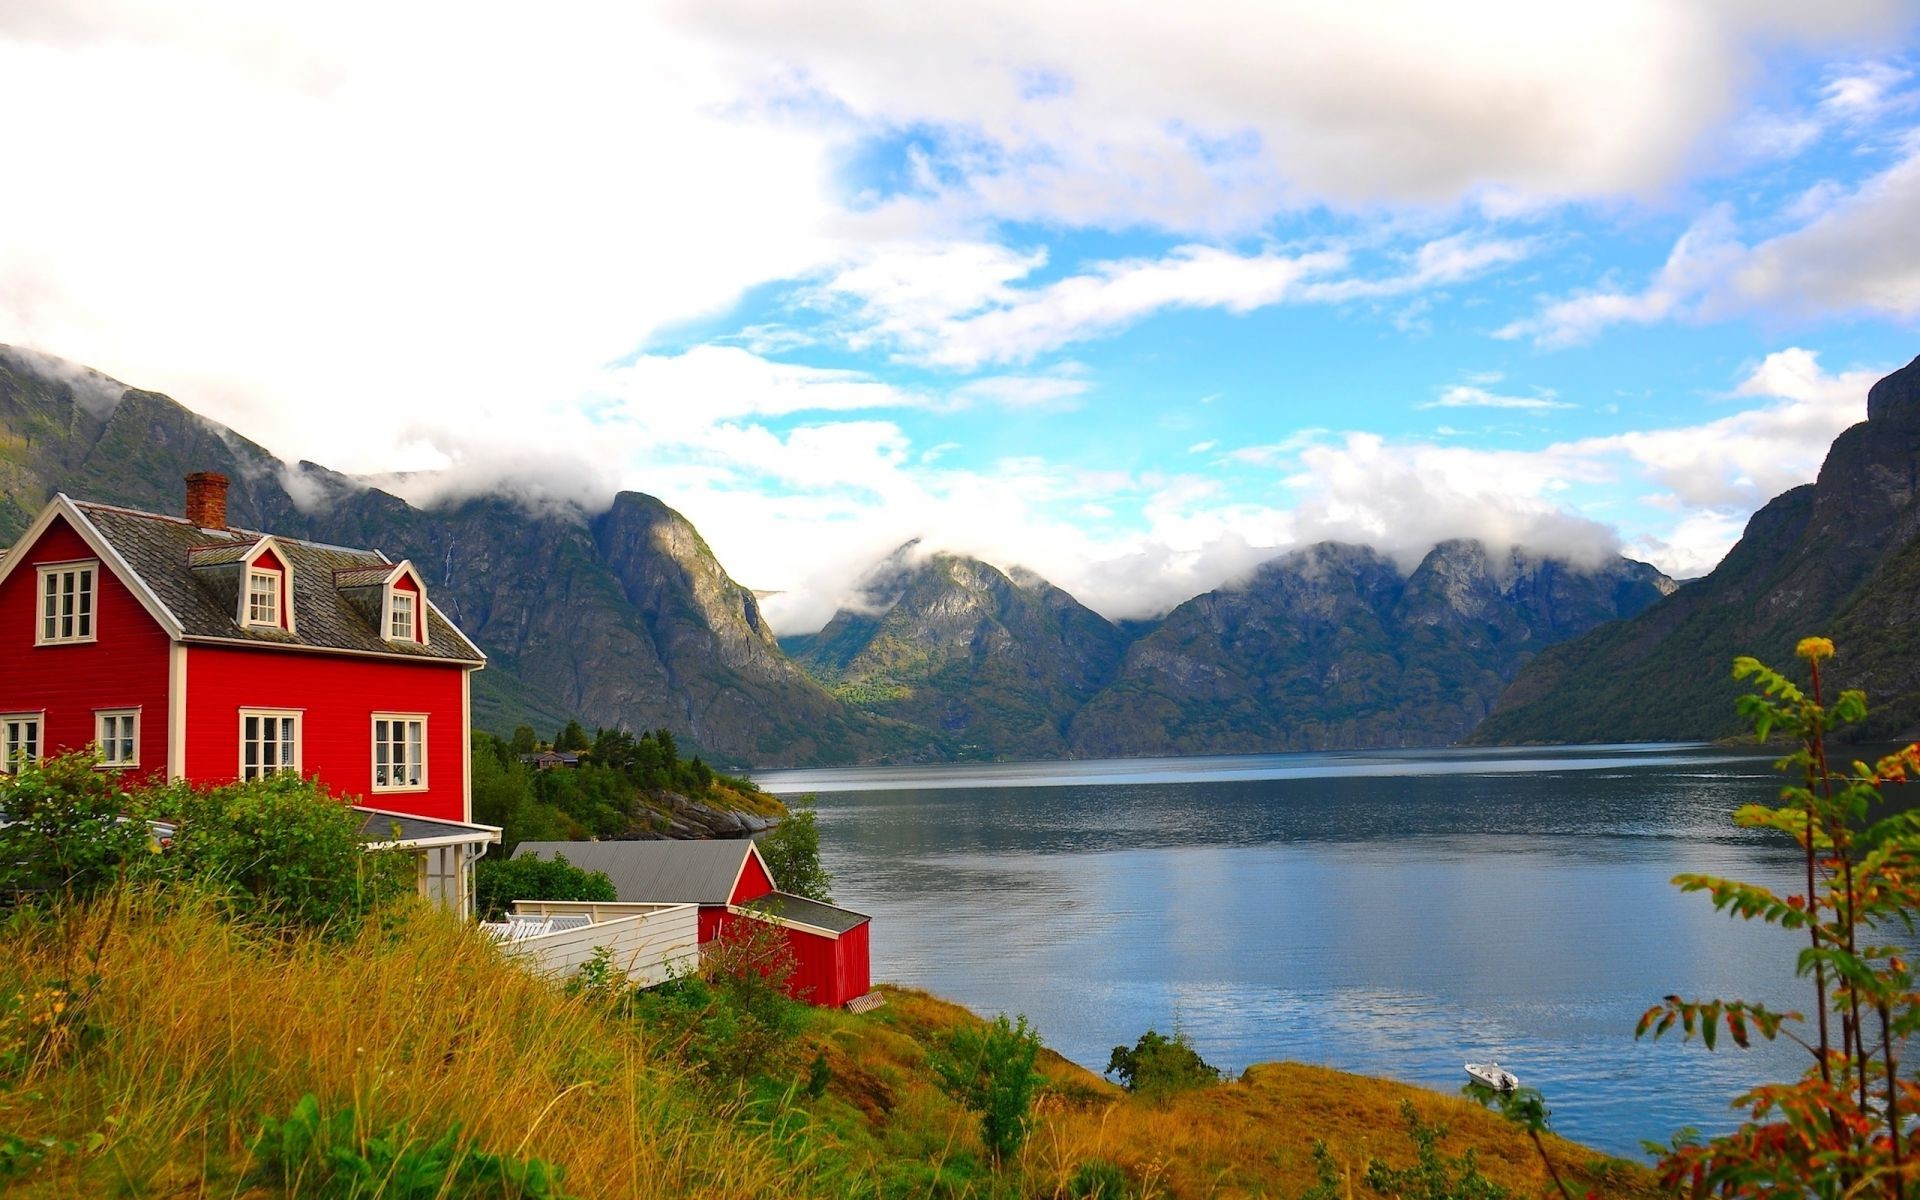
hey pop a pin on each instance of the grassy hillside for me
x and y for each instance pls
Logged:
(418, 1028)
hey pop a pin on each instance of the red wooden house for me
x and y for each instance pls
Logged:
(184, 649)
(731, 884)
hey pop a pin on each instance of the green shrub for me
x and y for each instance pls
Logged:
(1159, 1065)
(1433, 1176)
(280, 849)
(1098, 1179)
(338, 1156)
(69, 831)
(732, 1020)
(498, 882)
(990, 1070)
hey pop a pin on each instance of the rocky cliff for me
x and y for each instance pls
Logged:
(1838, 556)
(996, 664)
(1332, 646)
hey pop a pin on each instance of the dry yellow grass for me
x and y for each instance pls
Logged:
(204, 1027)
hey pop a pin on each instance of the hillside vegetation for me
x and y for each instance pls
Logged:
(416, 1029)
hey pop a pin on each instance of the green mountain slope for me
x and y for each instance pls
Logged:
(996, 664)
(1837, 556)
(1331, 647)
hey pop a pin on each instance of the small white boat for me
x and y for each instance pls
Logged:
(1493, 1075)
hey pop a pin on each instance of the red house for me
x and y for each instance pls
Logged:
(184, 649)
(731, 884)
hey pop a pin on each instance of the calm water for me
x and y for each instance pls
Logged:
(1394, 913)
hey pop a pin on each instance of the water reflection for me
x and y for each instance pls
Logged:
(1394, 913)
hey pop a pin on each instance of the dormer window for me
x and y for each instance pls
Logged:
(400, 625)
(263, 597)
(403, 606)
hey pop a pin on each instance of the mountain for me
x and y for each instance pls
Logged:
(996, 663)
(1839, 557)
(1332, 646)
(618, 617)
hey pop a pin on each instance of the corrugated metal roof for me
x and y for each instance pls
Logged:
(655, 872)
(205, 601)
(802, 911)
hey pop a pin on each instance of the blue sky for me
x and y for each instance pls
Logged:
(1136, 297)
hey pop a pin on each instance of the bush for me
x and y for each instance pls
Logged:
(281, 849)
(990, 1070)
(340, 1156)
(498, 882)
(792, 851)
(69, 833)
(1433, 1176)
(1099, 1179)
(733, 1019)
(1159, 1065)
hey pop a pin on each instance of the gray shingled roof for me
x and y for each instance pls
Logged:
(380, 826)
(802, 911)
(655, 872)
(204, 598)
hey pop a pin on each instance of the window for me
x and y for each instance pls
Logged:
(66, 603)
(118, 736)
(400, 627)
(263, 597)
(269, 743)
(19, 740)
(399, 753)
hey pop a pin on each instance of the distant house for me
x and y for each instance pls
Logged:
(549, 760)
(730, 883)
(185, 649)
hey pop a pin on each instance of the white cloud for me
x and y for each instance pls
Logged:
(1702, 257)
(1864, 93)
(1861, 253)
(1467, 395)
(1214, 113)
(1021, 391)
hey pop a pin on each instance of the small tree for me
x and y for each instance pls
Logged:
(990, 1070)
(1845, 1127)
(1159, 1064)
(498, 882)
(792, 851)
(572, 738)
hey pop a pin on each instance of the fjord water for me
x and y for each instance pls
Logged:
(1393, 913)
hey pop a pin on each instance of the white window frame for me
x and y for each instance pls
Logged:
(297, 715)
(278, 580)
(379, 744)
(88, 600)
(7, 741)
(109, 742)
(393, 615)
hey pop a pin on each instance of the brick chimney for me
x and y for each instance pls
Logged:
(207, 499)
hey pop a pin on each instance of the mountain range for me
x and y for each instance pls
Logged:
(624, 616)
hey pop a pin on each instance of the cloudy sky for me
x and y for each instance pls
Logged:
(1134, 295)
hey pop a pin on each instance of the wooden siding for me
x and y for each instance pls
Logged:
(337, 696)
(647, 941)
(827, 971)
(754, 881)
(125, 667)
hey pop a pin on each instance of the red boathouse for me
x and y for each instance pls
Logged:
(730, 882)
(184, 649)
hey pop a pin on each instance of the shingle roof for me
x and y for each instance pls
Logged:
(802, 911)
(380, 826)
(203, 597)
(655, 872)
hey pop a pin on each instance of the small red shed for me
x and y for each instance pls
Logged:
(730, 882)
